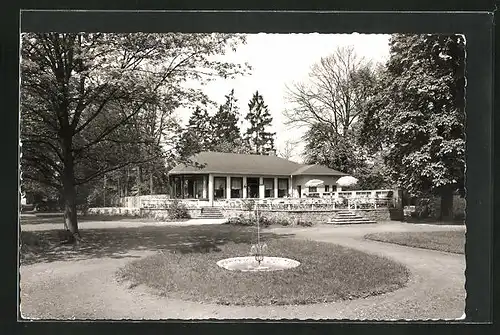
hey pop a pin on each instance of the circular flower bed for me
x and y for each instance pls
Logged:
(327, 273)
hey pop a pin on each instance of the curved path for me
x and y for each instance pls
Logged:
(88, 289)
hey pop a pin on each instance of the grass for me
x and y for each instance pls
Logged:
(327, 273)
(59, 218)
(448, 241)
(45, 246)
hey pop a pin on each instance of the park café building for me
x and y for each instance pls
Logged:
(218, 176)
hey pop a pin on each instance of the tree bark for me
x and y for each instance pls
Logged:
(151, 182)
(69, 195)
(446, 213)
(127, 181)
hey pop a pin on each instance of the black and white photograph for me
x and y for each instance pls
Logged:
(270, 176)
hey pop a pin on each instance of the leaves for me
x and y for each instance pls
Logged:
(95, 103)
(418, 113)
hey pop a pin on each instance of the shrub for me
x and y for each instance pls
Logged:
(281, 222)
(240, 220)
(248, 205)
(178, 210)
(304, 223)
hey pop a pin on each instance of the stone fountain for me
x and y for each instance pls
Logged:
(257, 262)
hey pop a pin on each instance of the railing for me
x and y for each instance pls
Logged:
(365, 199)
(289, 204)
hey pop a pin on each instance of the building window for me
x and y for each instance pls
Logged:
(282, 187)
(327, 188)
(236, 187)
(334, 188)
(313, 189)
(219, 187)
(268, 187)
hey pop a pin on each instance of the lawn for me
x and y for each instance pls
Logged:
(45, 246)
(448, 241)
(327, 273)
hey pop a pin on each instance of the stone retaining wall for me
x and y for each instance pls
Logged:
(316, 217)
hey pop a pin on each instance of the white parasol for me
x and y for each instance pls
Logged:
(347, 181)
(314, 183)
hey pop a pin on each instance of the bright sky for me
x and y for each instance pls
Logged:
(280, 59)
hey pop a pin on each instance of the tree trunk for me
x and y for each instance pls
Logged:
(69, 194)
(138, 180)
(151, 182)
(126, 182)
(446, 213)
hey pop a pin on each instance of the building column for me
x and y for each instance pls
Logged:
(261, 187)
(275, 187)
(211, 189)
(228, 187)
(244, 185)
(290, 187)
(204, 190)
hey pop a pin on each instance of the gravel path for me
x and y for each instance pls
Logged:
(88, 289)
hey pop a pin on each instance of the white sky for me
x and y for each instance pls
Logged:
(280, 59)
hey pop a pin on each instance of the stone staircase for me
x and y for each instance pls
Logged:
(211, 213)
(346, 217)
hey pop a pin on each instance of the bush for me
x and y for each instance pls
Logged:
(281, 222)
(240, 220)
(304, 223)
(248, 205)
(178, 210)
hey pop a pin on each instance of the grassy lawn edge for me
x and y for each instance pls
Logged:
(446, 241)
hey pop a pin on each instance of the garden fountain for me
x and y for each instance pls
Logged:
(257, 262)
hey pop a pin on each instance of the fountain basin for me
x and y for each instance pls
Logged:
(249, 264)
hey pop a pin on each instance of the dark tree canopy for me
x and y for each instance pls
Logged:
(418, 117)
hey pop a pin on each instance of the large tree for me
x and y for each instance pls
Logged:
(82, 95)
(259, 135)
(197, 136)
(224, 124)
(418, 117)
(334, 94)
(331, 104)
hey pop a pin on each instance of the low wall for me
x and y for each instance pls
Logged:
(162, 214)
(316, 217)
(113, 211)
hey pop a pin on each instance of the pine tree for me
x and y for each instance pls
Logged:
(261, 140)
(197, 136)
(224, 124)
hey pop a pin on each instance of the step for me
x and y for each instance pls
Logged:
(351, 222)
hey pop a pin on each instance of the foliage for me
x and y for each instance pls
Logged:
(325, 147)
(219, 132)
(248, 204)
(224, 124)
(419, 116)
(304, 223)
(251, 220)
(177, 210)
(93, 103)
(259, 138)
